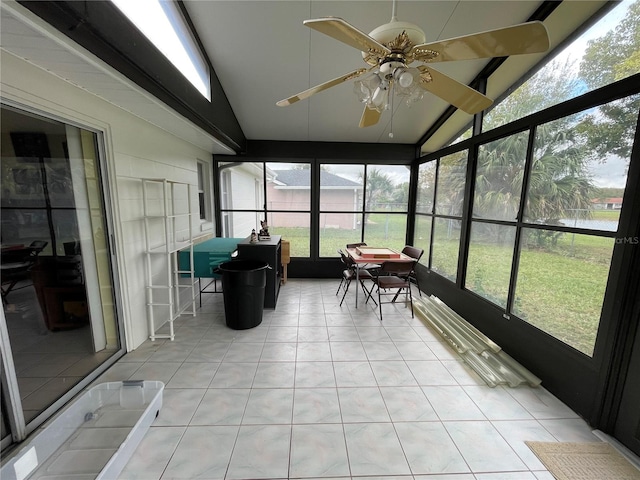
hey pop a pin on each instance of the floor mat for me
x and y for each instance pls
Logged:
(584, 461)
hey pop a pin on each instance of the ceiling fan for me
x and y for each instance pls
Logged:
(389, 50)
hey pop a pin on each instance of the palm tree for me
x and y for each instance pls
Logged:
(499, 178)
(560, 185)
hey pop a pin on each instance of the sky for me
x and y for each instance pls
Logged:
(576, 50)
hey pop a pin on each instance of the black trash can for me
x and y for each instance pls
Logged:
(243, 284)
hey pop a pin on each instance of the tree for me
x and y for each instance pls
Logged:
(499, 178)
(609, 58)
(556, 82)
(400, 195)
(378, 189)
(452, 175)
(426, 187)
(616, 54)
(560, 185)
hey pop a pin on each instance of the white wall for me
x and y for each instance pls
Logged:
(134, 149)
(245, 183)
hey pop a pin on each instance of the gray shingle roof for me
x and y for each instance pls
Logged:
(301, 178)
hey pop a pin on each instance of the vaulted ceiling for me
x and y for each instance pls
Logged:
(261, 52)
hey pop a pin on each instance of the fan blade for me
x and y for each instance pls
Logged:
(457, 94)
(369, 117)
(528, 37)
(319, 88)
(346, 33)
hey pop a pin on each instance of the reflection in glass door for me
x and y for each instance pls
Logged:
(57, 285)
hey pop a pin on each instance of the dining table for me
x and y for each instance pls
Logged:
(364, 255)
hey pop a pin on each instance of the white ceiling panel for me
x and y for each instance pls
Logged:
(262, 53)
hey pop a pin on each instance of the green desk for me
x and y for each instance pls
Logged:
(208, 255)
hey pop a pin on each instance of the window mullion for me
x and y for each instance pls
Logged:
(515, 262)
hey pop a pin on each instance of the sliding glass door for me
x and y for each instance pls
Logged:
(59, 322)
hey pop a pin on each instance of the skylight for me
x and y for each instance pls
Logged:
(162, 23)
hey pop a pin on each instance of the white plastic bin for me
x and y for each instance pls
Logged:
(94, 437)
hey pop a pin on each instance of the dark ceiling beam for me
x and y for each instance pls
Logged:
(101, 28)
(389, 153)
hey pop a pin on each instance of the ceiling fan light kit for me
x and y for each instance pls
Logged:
(390, 48)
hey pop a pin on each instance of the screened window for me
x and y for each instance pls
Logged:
(361, 203)
(602, 55)
(424, 208)
(499, 176)
(426, 187)
(386, 202)
(578, 180)
(242, 198)
(452, 174)
(341, 204)
(561, 284)
(489, 261)
(422, 236)
(289, 203)
(580, 167)
(450, 186)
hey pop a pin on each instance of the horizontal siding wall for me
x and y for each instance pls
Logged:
(135, 149)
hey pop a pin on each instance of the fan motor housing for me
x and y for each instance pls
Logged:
(389, 31)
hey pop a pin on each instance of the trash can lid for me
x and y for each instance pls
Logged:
(243, 265)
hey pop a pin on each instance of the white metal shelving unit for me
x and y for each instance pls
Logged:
(168, 228)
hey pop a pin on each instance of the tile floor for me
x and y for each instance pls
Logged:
(322, 391)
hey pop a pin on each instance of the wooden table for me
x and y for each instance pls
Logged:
(365, 255)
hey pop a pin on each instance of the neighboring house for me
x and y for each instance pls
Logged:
(290, 190)
(607, 203)
(246, 178)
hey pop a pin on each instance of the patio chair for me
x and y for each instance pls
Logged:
(349, 274)
(393, 279)
(416, 253)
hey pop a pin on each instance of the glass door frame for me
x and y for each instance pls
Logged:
(18, 429)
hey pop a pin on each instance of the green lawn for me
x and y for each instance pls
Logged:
(560, 287)
(609, 215)
(382, 229)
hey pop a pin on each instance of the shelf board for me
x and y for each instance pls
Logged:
(171, 248)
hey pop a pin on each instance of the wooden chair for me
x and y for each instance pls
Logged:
(393, 280)
(349, 274)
